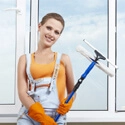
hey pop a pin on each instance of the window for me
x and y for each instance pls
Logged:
(99, 97)
(7, 53)
(84, 20)
(12, 36)
(120, 86)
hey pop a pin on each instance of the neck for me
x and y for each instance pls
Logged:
(43, 48)
(44, 51)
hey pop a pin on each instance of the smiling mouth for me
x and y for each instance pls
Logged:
(49, 39)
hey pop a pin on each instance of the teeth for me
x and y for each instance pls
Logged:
(48, 39)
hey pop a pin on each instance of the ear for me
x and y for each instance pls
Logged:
(39, 25)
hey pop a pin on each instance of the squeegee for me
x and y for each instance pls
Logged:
(95, 60)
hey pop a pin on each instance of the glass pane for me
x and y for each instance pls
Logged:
(120, 86)
(84, 19)
(7, 52)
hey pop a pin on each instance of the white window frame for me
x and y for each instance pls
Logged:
(8, 113)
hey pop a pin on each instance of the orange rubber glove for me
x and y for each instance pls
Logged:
(65, 107)
(37, 113)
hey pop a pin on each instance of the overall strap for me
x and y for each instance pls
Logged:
(56, 70)
(31, 80)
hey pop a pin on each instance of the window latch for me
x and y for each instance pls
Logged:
(14, 9)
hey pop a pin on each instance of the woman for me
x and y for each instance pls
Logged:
(43, 77)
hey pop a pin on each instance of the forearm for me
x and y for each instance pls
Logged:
(26, 100)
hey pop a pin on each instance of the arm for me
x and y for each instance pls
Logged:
(25, 99)
(69, 74)
(65, 107)
(35, 109)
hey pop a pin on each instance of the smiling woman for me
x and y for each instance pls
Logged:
(45, 77)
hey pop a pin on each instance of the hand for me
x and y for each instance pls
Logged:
(37, 113)
(65, 107)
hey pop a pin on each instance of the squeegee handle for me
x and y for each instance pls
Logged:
(88, 70)
(77, 85)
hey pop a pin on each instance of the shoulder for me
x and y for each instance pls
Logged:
(65, 59)
(22, 59)
(65, 56)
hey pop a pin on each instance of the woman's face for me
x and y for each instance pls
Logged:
(50, 32)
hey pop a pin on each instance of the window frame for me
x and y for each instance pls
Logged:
(119, 93)
(8, 113)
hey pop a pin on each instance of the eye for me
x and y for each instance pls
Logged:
(48, 27)
(57, 32)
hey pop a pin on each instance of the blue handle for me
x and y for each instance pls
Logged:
(69, 97)
(88, 70)
(73, 92)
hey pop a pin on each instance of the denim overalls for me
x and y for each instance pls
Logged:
(42, 90)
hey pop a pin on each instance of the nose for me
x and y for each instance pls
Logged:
(51, 33)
